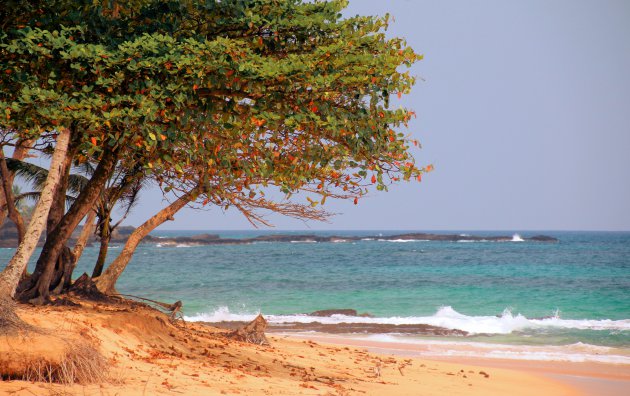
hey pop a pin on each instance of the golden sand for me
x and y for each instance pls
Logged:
(148, 355)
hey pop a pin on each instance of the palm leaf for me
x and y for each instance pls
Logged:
(31, 173)
(34, 196)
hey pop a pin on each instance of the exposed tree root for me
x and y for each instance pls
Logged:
(10, 323)
(85, 287)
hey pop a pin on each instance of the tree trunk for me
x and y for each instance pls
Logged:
(62, 273)
(10, 276)
(86, 232)
(105, 238)
(68, 258)
(107, 281)
(12, 211)
(39, 283)
(19, 153)
(3, 205)
(58, 207)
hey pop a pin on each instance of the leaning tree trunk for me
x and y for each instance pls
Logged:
(105, 238)
(66, 261)
(86, 232)
(3, 206)
(107, 281)
(37, 289)
(10, 276)
(19, 153)
(11, 209)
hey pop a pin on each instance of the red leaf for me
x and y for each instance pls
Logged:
(373, 179)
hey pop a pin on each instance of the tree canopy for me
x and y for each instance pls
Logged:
(215, 100)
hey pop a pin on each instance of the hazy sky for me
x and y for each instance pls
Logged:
(523, 108)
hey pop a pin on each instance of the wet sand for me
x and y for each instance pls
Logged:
(592, 379)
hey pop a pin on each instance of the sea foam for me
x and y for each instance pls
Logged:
(446, 317)
(578, 352)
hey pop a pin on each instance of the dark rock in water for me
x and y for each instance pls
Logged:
(349, 328)
(216, 240)
(205, 237)
(542, 238)
(331, 312)
(347, 312)
(8, 238)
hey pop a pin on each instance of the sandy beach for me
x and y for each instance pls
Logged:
(145, 354)
(596, 379)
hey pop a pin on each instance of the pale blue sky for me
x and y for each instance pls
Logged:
(524, 111)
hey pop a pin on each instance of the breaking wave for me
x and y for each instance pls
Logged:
(445, 317)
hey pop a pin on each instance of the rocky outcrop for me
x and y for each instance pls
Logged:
(347, 312)
(8, 238)
(207, 239)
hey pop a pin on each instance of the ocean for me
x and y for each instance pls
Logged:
(566, 301)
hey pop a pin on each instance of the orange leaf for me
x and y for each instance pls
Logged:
(93, 141)
(195, 87)
(399, 94)
(373, 179)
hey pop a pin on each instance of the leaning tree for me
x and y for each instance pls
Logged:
(216, 100)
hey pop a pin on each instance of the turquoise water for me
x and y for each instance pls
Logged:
(573, 291)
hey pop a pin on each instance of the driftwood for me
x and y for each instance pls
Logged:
(175, 309)
(253, 332)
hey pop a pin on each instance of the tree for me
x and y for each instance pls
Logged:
(7, 193)
(11, 274)
(217, 100)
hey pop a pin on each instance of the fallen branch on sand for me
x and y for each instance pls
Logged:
(174, 310)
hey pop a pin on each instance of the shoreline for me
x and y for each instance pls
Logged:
(590, 378)
(147, 354)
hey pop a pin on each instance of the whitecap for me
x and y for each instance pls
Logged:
(445, 317)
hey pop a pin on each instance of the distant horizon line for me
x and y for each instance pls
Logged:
(396, 229)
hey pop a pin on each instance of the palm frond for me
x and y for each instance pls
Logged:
(76, 183)
(85, 168)
(31, 173)
(130, 198)
(32, 197)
